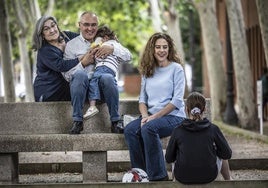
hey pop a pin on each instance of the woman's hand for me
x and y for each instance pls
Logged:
(146, 119)
(143, 120)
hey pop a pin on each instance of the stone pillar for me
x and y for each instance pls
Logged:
(9, 168)
(94, 166)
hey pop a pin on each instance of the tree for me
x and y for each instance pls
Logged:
(171, 23)
(36, 14)
(129, 19)
(6, 54)
(155, 14)
(25, 14)
(244, 82)
(263, 15)
(24, 30)
(50, 7)
(213, 55)
(171, 19)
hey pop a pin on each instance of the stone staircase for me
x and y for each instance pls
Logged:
(249, 164)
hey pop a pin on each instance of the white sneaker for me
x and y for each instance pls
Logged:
(91, 112)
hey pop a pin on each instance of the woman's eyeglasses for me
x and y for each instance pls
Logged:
(46, 28)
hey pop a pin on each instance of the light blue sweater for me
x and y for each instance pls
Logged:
(167, 85)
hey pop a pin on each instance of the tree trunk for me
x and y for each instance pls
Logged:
(50, 7)
(213, 55)
(155, 14)
(29, 97)
(24, 56)
(171, 19)
(262, 6)
(244, 81)
(34, 9)
(6, 54)
(35, 15)
(172, 22)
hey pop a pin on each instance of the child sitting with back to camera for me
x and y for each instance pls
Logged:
(105, 65)
(198, 147)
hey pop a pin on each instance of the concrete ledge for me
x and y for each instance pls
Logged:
(62, 142)
(94, 149)
(164, 184)
(56, 117)
(65, 142)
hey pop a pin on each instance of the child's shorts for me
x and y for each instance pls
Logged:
(219, 164)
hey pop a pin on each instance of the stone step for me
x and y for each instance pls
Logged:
(75, 180)
(56, 117)
(118, 161)
(121, 166)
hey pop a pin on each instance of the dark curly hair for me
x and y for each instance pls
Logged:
(106, 31)
(148, 62)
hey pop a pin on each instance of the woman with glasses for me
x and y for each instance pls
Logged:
(50, 42)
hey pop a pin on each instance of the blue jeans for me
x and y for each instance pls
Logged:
(109, 93)
(94, 89)
(145, 146)
(79, 86)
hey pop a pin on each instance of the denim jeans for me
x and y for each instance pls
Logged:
(94, 89)
(79, 86)
(145, 146)
(110, 95)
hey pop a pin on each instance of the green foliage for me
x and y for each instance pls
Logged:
(129, 19)
(15, 30)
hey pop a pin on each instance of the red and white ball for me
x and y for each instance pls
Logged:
(135, 175)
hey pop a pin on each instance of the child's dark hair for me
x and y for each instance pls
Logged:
(195, 104)
(105, 31)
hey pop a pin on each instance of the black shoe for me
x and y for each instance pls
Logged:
(117, 127)
(77, 127)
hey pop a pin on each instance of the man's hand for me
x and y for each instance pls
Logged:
(103, 51)
(88, 58)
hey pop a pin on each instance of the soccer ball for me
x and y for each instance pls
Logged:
(135, 175)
